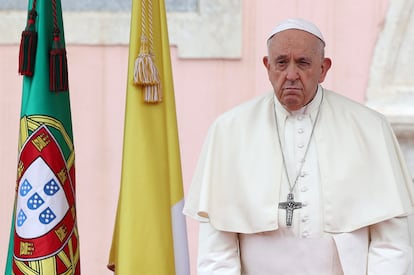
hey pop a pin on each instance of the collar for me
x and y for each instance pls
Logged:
(309, 109)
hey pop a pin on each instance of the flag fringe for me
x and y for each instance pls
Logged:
(146, 73)
(152, 93)
(58, 81)
(28, 46)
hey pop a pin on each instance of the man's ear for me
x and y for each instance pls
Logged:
(326, 65)
(266, 61)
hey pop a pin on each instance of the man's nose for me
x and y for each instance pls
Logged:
(292, 72)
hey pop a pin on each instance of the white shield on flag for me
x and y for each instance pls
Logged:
(41, 202)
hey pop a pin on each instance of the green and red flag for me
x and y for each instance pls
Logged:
(44, 236)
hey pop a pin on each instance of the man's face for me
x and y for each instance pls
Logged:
(295, 65)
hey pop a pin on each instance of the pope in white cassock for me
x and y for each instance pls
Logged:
(301, 181)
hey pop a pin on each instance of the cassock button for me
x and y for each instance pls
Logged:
(305, 234)
(300, 131)
(304, 189)
(300, 146)
(305, 203)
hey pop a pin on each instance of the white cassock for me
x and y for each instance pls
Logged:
(354, 187)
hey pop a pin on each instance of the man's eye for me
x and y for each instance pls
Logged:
(304, 63)
(281, 63)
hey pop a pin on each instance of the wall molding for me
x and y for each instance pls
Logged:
(391, 85)
(215, 31)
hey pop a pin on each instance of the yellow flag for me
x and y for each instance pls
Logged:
(150, 232)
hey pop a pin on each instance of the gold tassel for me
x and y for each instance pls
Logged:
(152, 93)
(145, 70)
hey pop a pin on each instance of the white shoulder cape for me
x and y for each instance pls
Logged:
(364, 178)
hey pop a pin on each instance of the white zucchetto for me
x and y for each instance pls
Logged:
(298, 24)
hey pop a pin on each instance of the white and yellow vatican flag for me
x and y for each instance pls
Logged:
(150, 232)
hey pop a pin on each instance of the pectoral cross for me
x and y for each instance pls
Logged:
(290, 205)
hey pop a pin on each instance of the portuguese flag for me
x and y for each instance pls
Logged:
(44, 235)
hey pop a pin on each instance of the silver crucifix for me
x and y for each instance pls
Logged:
(290, 205)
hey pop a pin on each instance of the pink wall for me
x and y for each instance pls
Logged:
(204, 89)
